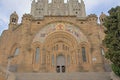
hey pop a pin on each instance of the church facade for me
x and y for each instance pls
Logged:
(55, 37)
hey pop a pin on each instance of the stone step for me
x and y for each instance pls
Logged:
(64, 76)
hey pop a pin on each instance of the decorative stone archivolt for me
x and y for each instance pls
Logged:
(34, 46)
(15, 51)
(61, 37)
(60, 26)
(14, 48)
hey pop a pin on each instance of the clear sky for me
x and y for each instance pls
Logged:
(23, 6)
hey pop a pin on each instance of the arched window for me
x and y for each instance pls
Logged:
(13, 20)
(16, 52)
(84, 54)
(102, 51)
(52, 60)
(37, 55)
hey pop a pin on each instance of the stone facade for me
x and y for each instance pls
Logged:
(56, 42)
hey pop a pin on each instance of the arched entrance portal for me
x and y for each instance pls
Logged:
(59, 45)
(60, 64)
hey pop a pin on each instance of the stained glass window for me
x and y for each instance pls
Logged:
(84, 54)
(37, 55)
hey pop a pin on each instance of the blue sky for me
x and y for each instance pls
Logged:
(23, 6)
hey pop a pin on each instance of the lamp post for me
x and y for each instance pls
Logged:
(8, 66)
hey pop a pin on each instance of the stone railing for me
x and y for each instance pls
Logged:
(114, 77)
(3, 71)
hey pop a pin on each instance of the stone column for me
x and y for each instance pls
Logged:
(43, 64)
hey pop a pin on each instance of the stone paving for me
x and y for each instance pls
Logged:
(64, 76)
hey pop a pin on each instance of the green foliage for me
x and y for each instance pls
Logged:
(112, 39)
(116, 69)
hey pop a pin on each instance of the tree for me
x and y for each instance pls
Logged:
(112, 38)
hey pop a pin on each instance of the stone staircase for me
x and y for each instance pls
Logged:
(64, 76)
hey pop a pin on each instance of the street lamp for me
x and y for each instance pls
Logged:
(8, 66)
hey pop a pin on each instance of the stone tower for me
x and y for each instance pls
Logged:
(102, 18)
(83, 9)
(13, 20)
(42, 8)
